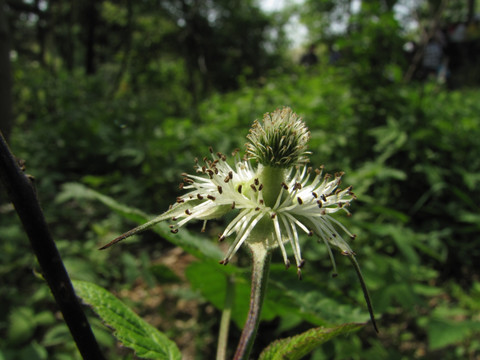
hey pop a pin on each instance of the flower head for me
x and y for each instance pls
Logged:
(275, 201)
(281, 141)
(273, 205)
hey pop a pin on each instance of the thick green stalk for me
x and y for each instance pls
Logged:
(260, 270)
(225, 321)
(271, 178)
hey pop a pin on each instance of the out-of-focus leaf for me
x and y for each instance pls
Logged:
(444, 332)
(21, 326)
(195, 245)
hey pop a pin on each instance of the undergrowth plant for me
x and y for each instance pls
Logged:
(270, 197)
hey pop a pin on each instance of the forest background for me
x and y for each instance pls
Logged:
(121, 96)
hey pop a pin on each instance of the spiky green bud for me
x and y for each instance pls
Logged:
(280, 140)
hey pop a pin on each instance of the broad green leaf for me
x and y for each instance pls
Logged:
(309, 299)
(131, 330)
(286, 295)
(79, 191)
(197, 245)
(445, 332)
(298, 346)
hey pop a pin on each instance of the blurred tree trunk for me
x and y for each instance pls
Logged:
(41, 33)
(6, 118)
(127, 48)
(91, 15)
(471, 11)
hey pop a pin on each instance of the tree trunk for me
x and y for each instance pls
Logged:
(90, 27)
(471, 11)
(6, 117)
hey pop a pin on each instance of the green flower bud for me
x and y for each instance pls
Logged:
(280, 141)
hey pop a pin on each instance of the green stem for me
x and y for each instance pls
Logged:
(225, 321)
(365, 291)
(260, 270)
(271, 178)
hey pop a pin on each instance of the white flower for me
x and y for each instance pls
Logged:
(275, 201)
(304, 204)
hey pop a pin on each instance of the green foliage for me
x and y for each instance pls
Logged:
(129, 328)
(298, 346)
(200, 249)
(125, 134)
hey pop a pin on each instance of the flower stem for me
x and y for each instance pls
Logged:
(225, 321)
(271, 178)
(260, 270)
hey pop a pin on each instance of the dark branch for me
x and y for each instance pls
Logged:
(23, 197)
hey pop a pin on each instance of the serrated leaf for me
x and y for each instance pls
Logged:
(295, 347)
(131, 330)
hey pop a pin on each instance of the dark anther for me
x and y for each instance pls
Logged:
(211, 197)
(199, 197)
(174, 231)
(239, 189)
(300, 201)
(219, 188)
(253, 187)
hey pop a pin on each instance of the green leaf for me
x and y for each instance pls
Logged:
(21, 327)
(79, 191)
(198, 246)
(298, 346)
(131, 330)
(445, 332)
